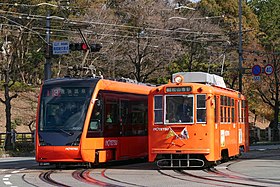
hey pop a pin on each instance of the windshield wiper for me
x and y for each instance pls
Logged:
(68, 133)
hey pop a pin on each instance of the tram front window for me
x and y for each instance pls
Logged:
(179, 109)
(63, 108)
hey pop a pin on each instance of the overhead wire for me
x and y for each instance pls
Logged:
(57, 18)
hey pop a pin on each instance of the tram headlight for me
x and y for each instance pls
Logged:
(178, 79)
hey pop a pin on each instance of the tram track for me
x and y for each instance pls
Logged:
(192, 179)
(238, 176)
(119, 175)
(115, 180)
(84, 176)
(216, 177)
(46, 177)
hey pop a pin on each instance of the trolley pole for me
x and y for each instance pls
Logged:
(240, 51)
(47, 65)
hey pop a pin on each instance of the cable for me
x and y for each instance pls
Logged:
(25, 28)
(36, 5)
(109, 24)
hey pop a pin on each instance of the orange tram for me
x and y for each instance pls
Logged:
(91, 121)
(195, 121)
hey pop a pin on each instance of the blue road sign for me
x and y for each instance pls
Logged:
(256, 70)
(60, 47)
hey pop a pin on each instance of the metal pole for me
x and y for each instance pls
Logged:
(47, 66)
(240, 46)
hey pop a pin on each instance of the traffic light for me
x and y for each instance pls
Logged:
(95, 47)
(78, 46)
(84, 47)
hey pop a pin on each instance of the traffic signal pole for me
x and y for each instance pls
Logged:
(88, 47)
(240, 51)
(47, 65)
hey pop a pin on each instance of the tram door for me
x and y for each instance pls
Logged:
(219, 135)
(125, 127)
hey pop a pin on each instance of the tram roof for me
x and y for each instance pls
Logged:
(200, 77)
(71, 81)
(85, 81)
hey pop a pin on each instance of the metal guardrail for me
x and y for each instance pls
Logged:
(19, 137)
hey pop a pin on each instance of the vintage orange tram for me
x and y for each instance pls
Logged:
(195, 121)
(91, 120)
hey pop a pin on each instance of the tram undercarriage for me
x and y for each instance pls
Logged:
(175, 161)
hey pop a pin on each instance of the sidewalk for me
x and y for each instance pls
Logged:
(265, 146)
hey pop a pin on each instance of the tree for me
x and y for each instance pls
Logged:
(268, 16)
(134, 38)
(21, 52)
(230, 25)
(6, 70)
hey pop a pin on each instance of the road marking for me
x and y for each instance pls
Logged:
(6, 178)
(7, 183)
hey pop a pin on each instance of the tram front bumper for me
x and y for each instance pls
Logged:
(58, 154)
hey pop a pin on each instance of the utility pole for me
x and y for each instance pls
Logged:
(47, 66)
(240, 51)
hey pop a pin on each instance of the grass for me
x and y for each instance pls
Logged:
(21, 149)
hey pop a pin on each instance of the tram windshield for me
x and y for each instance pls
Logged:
(179, 109)
(63, 109)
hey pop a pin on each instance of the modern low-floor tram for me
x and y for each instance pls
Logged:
(91, 120)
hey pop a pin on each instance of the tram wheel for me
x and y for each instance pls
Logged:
(89, 165)
(225, 157)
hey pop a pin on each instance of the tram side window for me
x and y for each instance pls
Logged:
(223, 112)
(241, 109)
(158, 109)
(216, 110)
(232, 111)
(96, 116)
(201, 108)
(139, 118)
(111, 127)
(226, 109)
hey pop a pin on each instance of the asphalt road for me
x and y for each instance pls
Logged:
(258, 167)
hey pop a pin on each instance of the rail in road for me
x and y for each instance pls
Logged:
(255, 168)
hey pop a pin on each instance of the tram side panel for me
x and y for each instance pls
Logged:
(123, 138)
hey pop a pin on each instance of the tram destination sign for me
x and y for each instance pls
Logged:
(179, 89)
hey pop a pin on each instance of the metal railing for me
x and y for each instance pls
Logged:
(19, 137)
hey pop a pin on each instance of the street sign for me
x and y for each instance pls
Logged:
(268, 69)
(256, 78)
(60, 47)
(256, 70)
